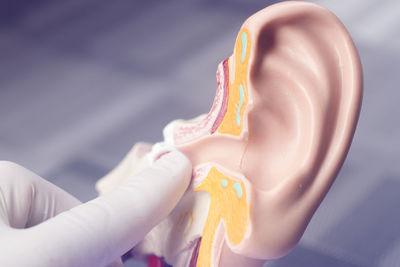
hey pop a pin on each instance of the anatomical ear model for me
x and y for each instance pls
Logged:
(283, 118)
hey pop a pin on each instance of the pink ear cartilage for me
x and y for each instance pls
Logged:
(187, 131)
(221, 93)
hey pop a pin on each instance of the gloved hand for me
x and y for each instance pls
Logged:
(42, 225)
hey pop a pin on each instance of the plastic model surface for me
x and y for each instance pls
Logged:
(264, 157)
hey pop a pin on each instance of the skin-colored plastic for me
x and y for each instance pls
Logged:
(284, 115)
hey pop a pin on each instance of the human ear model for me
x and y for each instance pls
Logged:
(264, 157)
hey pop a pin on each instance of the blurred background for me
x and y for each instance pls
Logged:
(82, 81)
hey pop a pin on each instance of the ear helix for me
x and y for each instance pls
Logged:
(305, 85)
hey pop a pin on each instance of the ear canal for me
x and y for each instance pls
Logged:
(305, 84)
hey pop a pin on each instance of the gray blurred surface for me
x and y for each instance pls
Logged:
(82, 81)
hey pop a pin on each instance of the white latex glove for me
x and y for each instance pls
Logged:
(42, 225)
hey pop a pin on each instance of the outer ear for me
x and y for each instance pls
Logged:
(281, 124)
(304, 90)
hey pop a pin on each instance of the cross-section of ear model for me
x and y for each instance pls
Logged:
(285, 111)
(232, 122)
(228, 209)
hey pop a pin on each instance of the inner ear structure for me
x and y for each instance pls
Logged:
(282, 121)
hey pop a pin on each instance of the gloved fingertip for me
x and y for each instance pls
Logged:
(177, 162)
(140, 149)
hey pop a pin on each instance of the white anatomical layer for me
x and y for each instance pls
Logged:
(182, 132)
(175, 237)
